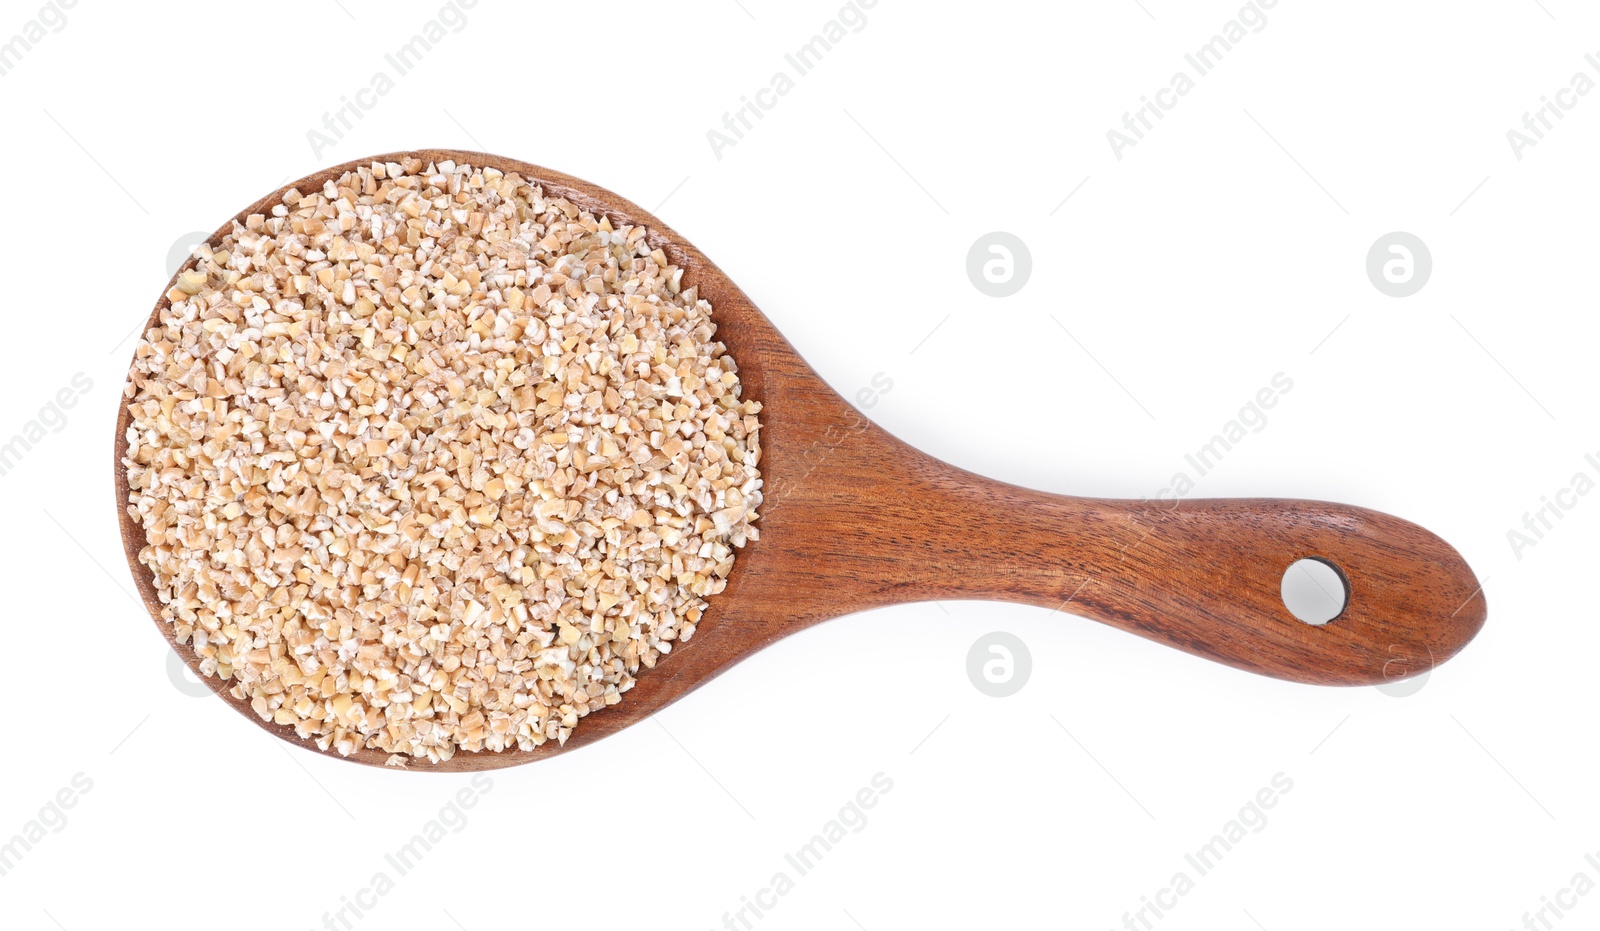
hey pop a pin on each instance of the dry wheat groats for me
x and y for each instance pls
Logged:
(428, 460)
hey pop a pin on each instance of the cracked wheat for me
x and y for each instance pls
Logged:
(429, 460)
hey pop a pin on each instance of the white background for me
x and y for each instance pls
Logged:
(1227, 246)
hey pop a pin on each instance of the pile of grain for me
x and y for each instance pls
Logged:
(429, 460)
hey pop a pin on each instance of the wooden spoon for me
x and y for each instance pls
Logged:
(855, 519)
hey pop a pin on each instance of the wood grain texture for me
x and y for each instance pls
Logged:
(856, 519)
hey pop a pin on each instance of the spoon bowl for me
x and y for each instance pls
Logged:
(855, 519)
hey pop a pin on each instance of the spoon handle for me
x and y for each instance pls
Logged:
(1202, 575)
(1207, 576)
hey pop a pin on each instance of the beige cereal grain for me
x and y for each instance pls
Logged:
(428, 460)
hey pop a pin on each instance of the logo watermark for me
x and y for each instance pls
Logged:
(1538, 122)
(1201, 862)
(1251, 418)
(183, 679)
(999, 664)
(52, 418)
(452, 17)
(833, 436)
(868, 396)
(1402, 663)
(1399, 264)
(999, 264)
(182, 248)
(1553, 509)
(1137, 123)
(451, 819)
(1557, 906)
(52, 17)
(737, 123)
(51, 819)
(803, 860)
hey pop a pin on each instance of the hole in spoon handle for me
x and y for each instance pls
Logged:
(1315, 590)
(1212, 577)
